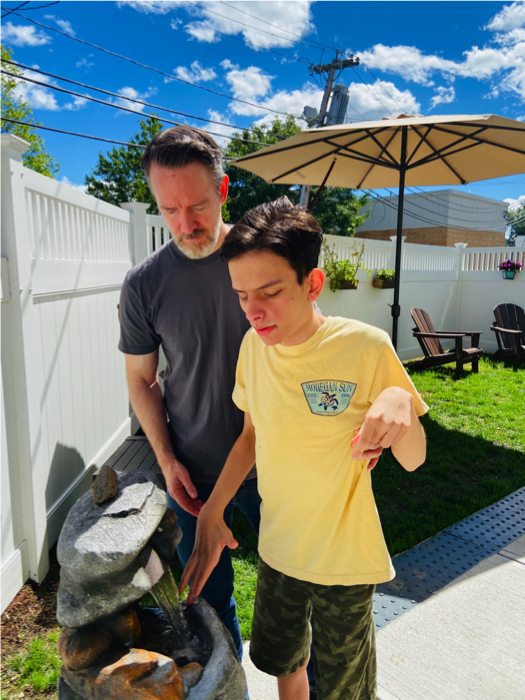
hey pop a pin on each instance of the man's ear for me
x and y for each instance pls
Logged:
(316, 283)
(224, 188)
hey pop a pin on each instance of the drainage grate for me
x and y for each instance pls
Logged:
(431, 565)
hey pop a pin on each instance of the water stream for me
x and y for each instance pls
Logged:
(167, 598)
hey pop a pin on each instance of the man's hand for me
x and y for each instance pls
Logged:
(181, 487)
(211, 538)
(386, 423)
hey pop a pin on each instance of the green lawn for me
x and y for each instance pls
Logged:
(476, 455)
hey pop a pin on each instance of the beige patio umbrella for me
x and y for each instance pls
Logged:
(408, 150)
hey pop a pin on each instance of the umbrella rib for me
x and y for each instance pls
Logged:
(374, 164)
(484, 141)
(384, 148)
(438, 155)
(375, 160)
(421, 140)
(434, 157)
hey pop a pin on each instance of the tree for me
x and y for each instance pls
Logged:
(118, 177)
(337, 209)
(14, 107)
(516, 220)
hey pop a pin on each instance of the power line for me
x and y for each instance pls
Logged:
(8, 12)
(418, 206)
(372, 93)
(114, 94)
(155, 70)
(382, 87)
(461, 208)
(153, 116)
(276, 27)
(72, 133)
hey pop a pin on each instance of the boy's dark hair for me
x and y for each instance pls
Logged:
(281, 228)
(182, 145)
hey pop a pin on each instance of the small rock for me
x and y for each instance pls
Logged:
(80, 648)
(191, 675)
(105, 485)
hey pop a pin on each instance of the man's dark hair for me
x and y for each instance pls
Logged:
(182, 145)
(281, 228)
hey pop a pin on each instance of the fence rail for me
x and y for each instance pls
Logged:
(486, 259)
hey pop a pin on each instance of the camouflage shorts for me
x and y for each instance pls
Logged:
(343, 633)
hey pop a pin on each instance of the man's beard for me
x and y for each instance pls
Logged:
(205, 249)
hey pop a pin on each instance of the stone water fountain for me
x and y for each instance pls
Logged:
(113, 550)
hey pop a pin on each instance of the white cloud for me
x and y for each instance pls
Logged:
(373, 102)
(515, 203)
(174, 24)
(133, 94)
(84, 63)
(444, 96)
(295, 16)
(510, 17)
(159, 8)
(248, 84)
(202, 31)
(78, 103)
(407, 61)
(64, 25)
(208, 24)
(196, 73)
(19, 35)
(66, 181)
(220, 128)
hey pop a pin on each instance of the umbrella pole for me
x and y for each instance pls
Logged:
(396, 309)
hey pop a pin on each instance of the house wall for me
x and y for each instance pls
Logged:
(443, 218)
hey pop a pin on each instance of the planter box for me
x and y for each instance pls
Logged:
(508, 274)
(349, 284)
(383, 284)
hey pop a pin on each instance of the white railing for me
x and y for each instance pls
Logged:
(157, 232)
(485, 259)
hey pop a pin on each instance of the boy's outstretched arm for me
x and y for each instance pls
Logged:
(212, 533)
(391, 421)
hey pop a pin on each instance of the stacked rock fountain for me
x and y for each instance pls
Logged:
(113, 549)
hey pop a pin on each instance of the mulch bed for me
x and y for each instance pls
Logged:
(32, 612)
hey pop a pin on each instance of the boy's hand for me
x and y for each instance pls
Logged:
(372, 453)
(211, 538)
(386, 423)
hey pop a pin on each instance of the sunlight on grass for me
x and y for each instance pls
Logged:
(38, 665)
(245, 585)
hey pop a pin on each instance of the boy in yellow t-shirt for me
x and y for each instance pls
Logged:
(322, 397)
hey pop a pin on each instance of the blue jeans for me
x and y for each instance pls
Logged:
(218, 590)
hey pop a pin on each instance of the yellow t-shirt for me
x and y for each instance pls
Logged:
(319, 521)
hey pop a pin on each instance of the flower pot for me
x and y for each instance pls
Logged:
(508, 274)
(383, 284)
(349, 284)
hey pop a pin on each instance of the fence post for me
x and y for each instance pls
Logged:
(460, 247)
(23, 382)
(138, 231)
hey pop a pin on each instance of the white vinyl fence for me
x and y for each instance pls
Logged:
(64, 397)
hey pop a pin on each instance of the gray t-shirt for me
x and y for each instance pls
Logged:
(189, 307)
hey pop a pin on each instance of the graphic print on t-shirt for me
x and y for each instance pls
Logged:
(328, 397)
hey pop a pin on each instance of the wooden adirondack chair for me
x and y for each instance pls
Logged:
(428, 339)
(509, 328)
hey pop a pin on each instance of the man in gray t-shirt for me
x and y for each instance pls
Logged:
(181, 298)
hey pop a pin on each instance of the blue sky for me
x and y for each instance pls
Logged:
(416, 57)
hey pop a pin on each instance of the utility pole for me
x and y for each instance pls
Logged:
(330, 68)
